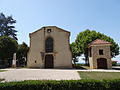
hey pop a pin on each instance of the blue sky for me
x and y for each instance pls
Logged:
(72, 15)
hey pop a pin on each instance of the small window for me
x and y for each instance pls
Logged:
(35, 61)
(48, 30)
(100, 52)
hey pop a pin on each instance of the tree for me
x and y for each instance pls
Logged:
(6, 27)
(75, 52)
(8, 47)
(87, 36)
(22, 53)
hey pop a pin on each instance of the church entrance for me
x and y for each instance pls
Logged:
(49, 63)
(102, 63)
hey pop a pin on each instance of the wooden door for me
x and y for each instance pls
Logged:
(49, 62)
(102, 63)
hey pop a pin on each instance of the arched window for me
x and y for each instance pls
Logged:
(49, 45)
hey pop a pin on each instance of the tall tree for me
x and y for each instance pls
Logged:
(87, 36)
(6, 26)
(75, 52)
(22, 53)
(8, 47)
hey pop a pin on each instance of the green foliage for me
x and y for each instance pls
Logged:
(62, 85)
(6, 27)
(8, 46)
(22, 53)
(86, 37)
(114, 63)
(75, 52)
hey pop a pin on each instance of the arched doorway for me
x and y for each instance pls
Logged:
(102, 63)
(49, 45)
(49, 62)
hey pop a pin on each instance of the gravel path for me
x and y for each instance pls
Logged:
(45, 74)
(39, 74)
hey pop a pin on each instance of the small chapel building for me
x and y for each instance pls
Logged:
(49, 48)
(100, 54)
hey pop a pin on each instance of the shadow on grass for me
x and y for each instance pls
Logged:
(2, 80)
(116, 68)
(83, 67)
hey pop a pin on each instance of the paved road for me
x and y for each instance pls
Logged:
(39, 74)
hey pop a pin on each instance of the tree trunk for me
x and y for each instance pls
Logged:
(74, 63)
(86, 59)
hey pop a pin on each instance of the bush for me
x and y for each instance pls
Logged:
(62, 85)
(8, 47)
(114, 63)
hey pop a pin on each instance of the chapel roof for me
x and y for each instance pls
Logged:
(50, 27)
(99, 42)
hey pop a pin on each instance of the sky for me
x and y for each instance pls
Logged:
(72, 15)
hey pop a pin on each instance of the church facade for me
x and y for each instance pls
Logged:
(49, 48)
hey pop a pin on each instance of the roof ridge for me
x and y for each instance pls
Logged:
(99, 41)
(47, 27)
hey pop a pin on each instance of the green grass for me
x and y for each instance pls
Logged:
(3, 70)
(99, 75)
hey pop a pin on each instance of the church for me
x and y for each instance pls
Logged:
(49, 48)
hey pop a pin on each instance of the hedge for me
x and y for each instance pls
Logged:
(62, 85)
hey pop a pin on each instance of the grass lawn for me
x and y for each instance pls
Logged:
(99, 75)
(3, 70)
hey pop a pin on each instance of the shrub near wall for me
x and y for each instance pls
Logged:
(62, 85)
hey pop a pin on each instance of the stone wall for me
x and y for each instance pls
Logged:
(95, 55)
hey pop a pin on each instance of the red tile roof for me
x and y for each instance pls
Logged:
(99, 41)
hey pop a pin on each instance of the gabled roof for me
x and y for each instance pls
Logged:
(49, 27)
(98, 42)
